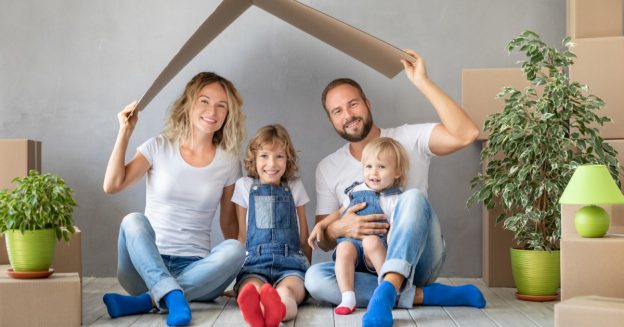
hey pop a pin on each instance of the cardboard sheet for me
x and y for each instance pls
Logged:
(368, 49)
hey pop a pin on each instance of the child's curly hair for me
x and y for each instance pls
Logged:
(270, 136)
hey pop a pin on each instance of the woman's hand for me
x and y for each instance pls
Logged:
(415, 70)
(129, 116)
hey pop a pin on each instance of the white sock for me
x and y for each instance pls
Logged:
(348, 299)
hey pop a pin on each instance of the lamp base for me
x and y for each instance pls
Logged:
(591, 221)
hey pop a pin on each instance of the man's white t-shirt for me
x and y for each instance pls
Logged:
(386, 202)
(340, 169)
(181, 200)
(243, 187)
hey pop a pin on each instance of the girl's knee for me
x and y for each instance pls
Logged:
(346, 250)
(371, 242)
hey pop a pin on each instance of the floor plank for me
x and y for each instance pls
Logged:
(502, 309)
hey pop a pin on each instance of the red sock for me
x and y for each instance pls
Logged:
(274, 309)
(249, 303)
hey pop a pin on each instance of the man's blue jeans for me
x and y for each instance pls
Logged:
(141, 268)
(416, 250)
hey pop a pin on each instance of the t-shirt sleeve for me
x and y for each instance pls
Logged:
(300, 196)
(326, 201)
(241, 192)
(149, 149)
(416, 137)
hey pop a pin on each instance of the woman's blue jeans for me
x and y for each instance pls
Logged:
(416, 250)
(141, 268)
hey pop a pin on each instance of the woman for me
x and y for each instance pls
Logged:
(164, 255)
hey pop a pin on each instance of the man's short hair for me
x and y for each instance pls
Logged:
(340, 81)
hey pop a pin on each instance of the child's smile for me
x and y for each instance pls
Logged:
(271, 164)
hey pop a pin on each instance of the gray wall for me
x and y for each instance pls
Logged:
(68, 66)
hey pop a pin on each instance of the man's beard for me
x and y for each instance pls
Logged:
(366, 127)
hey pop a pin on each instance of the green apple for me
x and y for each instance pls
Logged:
(591, 221)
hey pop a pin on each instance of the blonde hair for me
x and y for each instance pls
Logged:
(271, 135)
(388, 146)
(231, 134)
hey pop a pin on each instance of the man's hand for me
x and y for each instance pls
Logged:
(354, 226)
(415, 70)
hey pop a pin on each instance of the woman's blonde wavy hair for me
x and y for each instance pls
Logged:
(270, 136)
(394, 149)
(231, 134)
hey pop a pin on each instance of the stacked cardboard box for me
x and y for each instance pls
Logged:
(590, 311)
(52, 301)
(17, 157)
(593, 266)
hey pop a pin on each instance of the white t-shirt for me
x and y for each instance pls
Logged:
(181, 200)
(386, 202)
(243, 187)
(338, 170)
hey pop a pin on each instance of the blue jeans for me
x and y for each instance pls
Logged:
(141, 268)
(416, 250)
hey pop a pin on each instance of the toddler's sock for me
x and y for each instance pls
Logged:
(124, 305)
(179, 310)
(347, 306)
(445, 295)
(249, 303)
(379, 311)
(274, 309)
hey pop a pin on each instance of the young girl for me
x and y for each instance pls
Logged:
(385, 164)
(272, 224)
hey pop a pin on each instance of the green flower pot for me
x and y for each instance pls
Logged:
(535, 273)
(32, 250)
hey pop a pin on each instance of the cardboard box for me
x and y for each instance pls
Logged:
(17, 157)
(366, 48)
(589, 311)
(496, 244)
(52, 301)
(479, 90)
(592, 266)
(599, 64)
(594, 18)
(67, 256)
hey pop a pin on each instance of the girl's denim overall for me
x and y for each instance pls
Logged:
(273, 251)
(372, 207)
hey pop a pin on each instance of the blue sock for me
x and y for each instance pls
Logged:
(179, 310)
(124, 305)
(445, 295)
(379, 311)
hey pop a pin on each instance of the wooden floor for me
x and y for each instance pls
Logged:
(502, 310)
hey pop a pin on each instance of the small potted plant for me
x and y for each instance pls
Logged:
(544, 132)
(33, 216)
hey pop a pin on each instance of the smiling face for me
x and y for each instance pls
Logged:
(349, 112)
(210, 109)
(380, 171)
(271, 162)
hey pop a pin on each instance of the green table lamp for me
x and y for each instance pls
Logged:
(591, 185)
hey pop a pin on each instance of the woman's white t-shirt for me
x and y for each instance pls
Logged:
(181, 200)
(243, 187)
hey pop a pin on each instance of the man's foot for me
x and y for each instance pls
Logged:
(445, 295)
(274, 309)
(119, 305)
(179, 310)
(249, 303)
(379, 312)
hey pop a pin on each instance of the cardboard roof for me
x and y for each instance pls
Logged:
(364, 47)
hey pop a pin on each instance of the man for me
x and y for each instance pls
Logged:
(416, 251)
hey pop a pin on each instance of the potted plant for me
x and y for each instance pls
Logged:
(33, 216)
(544, 132)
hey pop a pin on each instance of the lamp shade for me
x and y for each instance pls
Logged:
(592, 184)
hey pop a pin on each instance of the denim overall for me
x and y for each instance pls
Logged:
(273, 251)
(372, 207)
